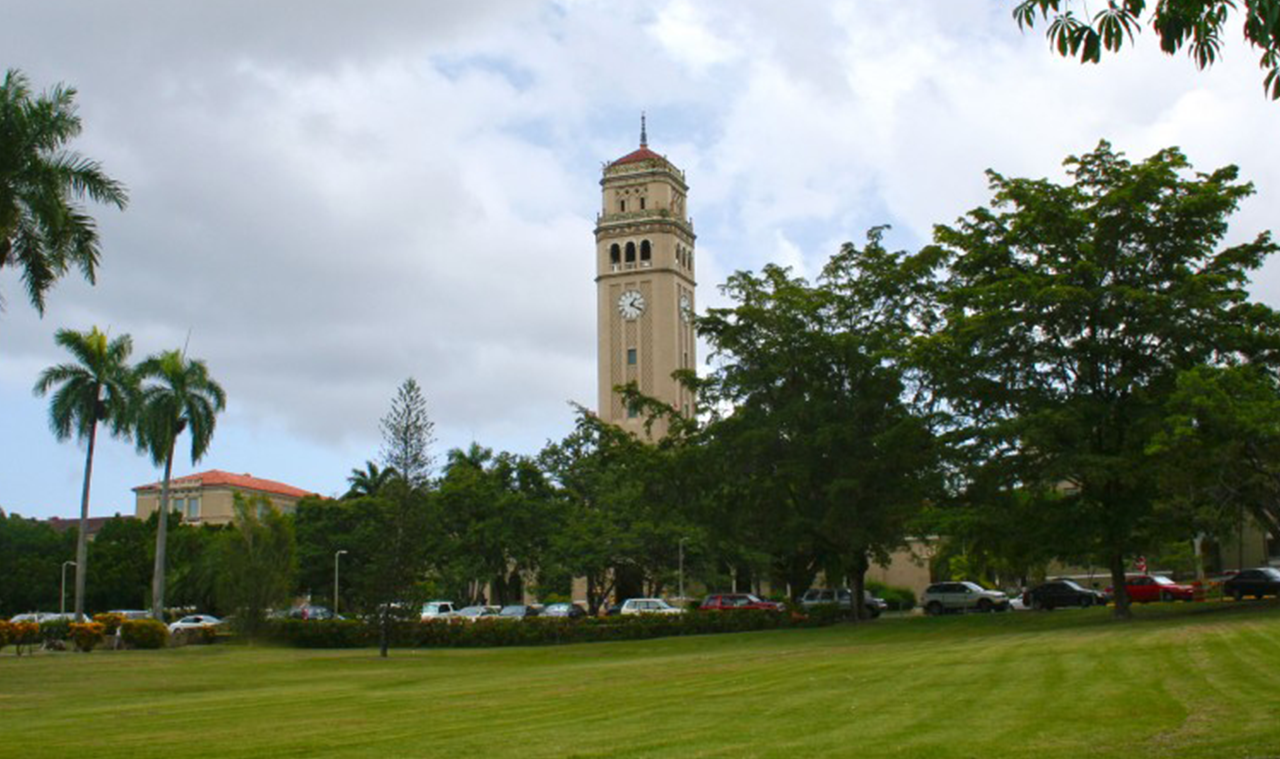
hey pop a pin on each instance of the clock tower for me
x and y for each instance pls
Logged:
(644, 285)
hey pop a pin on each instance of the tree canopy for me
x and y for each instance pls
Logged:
(1197, 25)
(1069, 312)
(44, 229)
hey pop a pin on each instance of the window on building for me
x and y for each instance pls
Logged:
(622, 206)
(615, 254)
(632, 411)
(631, 356)
(645, 251)
(193, 508)
(178, 505)
(631, 252)
(641, 204)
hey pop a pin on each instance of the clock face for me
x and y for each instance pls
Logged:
(686, 307)
(631, 304)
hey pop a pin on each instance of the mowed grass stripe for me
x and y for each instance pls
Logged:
(1185, 680)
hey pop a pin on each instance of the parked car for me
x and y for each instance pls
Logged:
(194, 621)
(31, 616)
(1058, 593)
(438, 610)
(571, 611)
(1148, 588)
(942, 597)
(842, 597)
(473, 613)
(520, 611)
(131, 613)
(738, 601)
(1263, 581)
(311, 612)
(647, 606)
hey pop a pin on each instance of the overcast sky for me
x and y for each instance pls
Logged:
(329, 198)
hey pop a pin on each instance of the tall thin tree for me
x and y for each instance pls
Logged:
(98, 387)
(177, 395)
(44, 230)
(407, 435)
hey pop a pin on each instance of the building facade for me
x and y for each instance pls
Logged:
(645, 286)
(209, 497)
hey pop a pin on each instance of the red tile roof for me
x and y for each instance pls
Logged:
(217, 477)
(636, 156)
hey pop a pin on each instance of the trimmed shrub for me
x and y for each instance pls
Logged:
(21, 634)
(322, 633)
(110, 622)
(87, 635)
(55, 631)
(538, 631)
(898, 598)
(144, 633)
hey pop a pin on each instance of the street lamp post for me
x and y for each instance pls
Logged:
(63, 604)
(336, 555)
(682, 540)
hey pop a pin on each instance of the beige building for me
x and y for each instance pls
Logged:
(209, 497)
(645, 285)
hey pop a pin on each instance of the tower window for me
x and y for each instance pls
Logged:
(641, 204)
(632, 411)
(622, 206)
(645, 251)
(615, 254)
(631, 252)
(631, 356)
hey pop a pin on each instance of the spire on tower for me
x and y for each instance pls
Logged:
(644, 138)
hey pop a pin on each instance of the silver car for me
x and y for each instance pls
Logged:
(942, 597)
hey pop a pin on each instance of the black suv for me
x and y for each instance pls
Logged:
(1058, 593)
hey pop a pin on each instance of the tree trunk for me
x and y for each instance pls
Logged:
(162, 537)
(383, 637)
(1118, 587)
(82, 540)
(856, 602)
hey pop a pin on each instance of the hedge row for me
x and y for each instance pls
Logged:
(538, 631)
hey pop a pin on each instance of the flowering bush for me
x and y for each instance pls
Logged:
(110, 622)
(144, 633)
(87, 635)
(19, 634)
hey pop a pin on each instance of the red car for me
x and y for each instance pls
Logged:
(738, 601)
(1147, 588)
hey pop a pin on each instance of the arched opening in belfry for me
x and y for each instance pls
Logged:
(631, 252)
(615, 254)
(645, 251)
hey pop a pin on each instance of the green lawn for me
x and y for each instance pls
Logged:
(1186, 681)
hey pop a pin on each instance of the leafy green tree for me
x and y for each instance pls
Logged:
(44, 230)
(121, 556)
(98, 386)
(492, 511)
(826, 459)
(322, 528)
(1197, 25)
(1069, 312)
(388, 554)
(1220, 448)
(407, 435)
(369, 481)
(177, 395)
(31, 556)
(256, 562)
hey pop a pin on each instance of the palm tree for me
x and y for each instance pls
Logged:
(370, 480)
(177, 395)
(98, 387)
(43, 229)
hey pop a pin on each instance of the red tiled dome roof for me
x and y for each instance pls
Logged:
(636, 156)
